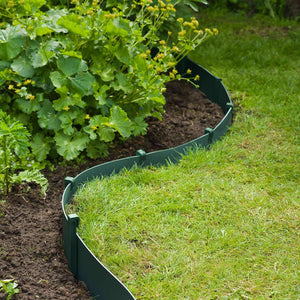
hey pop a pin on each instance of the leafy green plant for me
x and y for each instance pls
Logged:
(14, 152)
(10, 287)
(82, 76)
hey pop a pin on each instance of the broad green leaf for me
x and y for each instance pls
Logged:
(64, 103)
(107, 73)
(38, 58)
(74, 25)
(100, 125)
(106, 134)
(40, 146)
(123, 54)
(97, 149)
(91, 132)
(43, 30)
(139, 126)
(120, 121)
(123, 83)
(23, 67)
(115, 28)
(82, 83)
(4, 65)
(70, 146)
(51, 48)
(66, 118)
(71, 65)
(100, 95)
(28, 106)
(11, 42)
(63, 91)
(31, 6)
(58, 79)
(47, 117)
(72, 53)
(51, 17)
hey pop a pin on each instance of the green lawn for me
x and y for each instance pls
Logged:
(224, 223)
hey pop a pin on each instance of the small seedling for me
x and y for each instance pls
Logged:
(10, 287)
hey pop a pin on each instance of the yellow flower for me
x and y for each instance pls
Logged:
(171, 7)
(197, 77)
(31, 97)
(159, 56)
(175, 49)
(195, 22)
(161, 3)
(207, 30)
(180, 20)
(10, 3)
(66, 108)
(215, 31)
(94, 127)
(27, 81)
(150, 9)
(162, 42)
(90, 11)
(182, 33)
(170, 64)
(189, 71)
(10, 87)
(87, 116)
(143, 55)
(200, 32)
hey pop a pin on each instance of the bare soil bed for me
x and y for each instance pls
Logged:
(31, 227)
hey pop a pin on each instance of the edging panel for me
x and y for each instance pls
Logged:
(102, 284)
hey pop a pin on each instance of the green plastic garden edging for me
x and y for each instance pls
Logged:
(102, 284)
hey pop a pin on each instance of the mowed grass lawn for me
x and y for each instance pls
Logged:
(223, 223)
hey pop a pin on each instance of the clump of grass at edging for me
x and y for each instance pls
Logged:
(223, 223)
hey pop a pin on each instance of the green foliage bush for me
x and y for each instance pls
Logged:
(79, 77)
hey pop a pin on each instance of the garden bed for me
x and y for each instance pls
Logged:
(30, 227)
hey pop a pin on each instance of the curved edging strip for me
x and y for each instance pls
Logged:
(81, 261)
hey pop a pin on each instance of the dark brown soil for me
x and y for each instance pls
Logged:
(30, 227)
